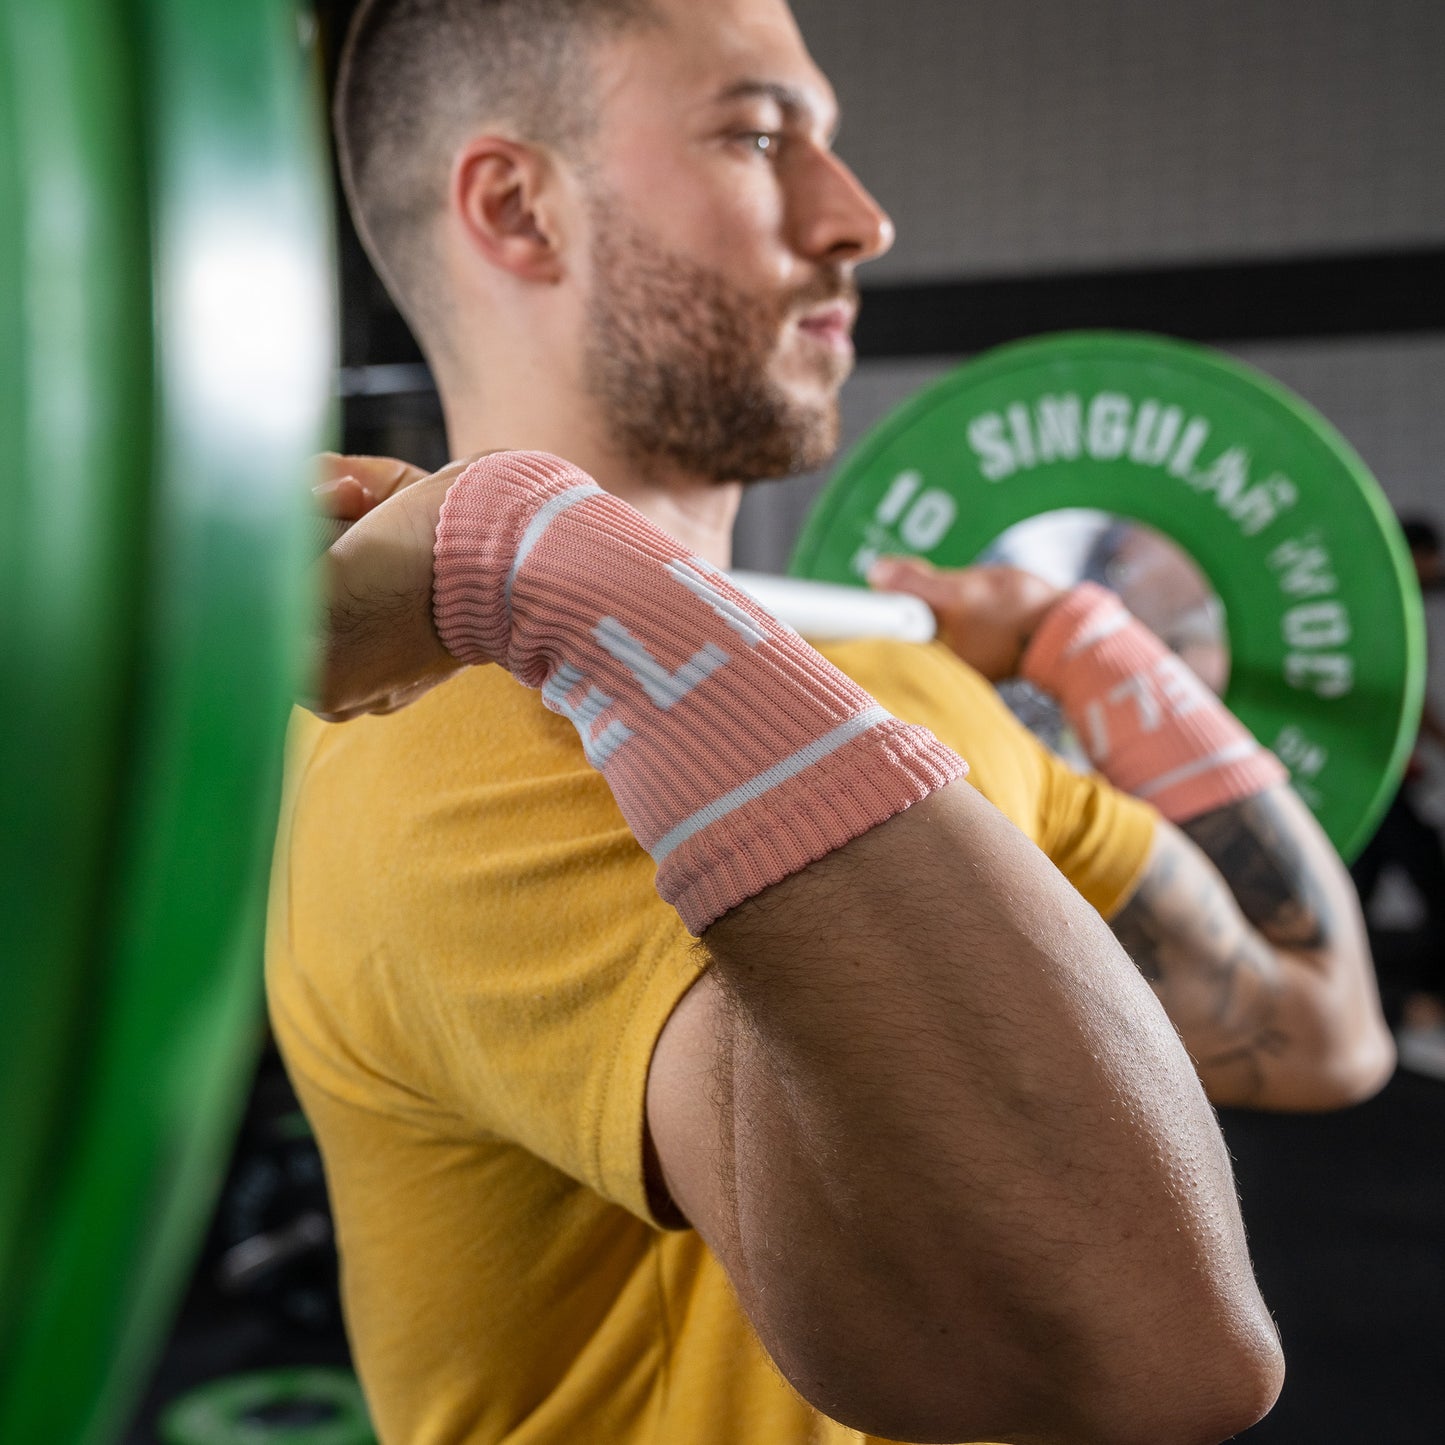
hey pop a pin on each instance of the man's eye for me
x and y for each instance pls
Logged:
(761, 142)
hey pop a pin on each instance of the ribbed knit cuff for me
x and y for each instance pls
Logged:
(737, 754)
(1082, 614)
(838, 799)
(491, 517)
(1147, 722)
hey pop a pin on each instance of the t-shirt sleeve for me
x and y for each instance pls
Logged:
(509, 967)
(1097, 837)
(551, 979)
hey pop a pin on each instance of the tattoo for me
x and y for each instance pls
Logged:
(1137, 924)
(1254, 845)
(1219, 981)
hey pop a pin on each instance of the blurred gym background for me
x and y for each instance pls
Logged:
(1266, 176)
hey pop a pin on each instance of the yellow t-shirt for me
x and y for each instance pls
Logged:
(468, 967)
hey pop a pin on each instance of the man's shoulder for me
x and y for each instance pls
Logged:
(466, 823)
(884, 657)
(467, 784)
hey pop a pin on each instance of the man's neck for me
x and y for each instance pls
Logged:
(700, 513)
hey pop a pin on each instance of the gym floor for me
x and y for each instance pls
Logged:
(1346, 1216)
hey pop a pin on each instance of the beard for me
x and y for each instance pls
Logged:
(679, 360)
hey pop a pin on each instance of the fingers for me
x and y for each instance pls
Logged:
(385, 476)
(378, 706)
(993, 585)
(915, 576)
(330, 465)
(376, 533)
(379, 475)
(344, 499)
(348, 487)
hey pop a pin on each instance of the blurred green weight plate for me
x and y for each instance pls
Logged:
(242, 358)
(75, 414)
(274, 1407)
(1323, 613)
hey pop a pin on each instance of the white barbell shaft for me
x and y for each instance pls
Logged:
(824, 611)
(827, 612)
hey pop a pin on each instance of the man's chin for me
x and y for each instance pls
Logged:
(816, 374)
(818, 440)
(812, 444)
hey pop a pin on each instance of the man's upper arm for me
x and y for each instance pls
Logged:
(851, 1105)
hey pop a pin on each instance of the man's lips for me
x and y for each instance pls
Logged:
(832, 323)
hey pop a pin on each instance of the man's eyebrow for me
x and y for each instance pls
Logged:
(795, 103)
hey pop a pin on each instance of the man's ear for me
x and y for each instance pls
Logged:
(506, 198)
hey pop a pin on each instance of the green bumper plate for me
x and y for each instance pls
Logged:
(239, 350)
(1323, 613)
(75, 405)
(274, 1407)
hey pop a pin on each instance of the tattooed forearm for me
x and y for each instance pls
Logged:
(1245, 925)
(1138, 925)
(1254, 845)
(1218, 980)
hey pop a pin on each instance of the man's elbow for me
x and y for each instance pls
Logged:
(1337, 1074)
(1361, 1072)
(1215, 1392)
(1198, 1386)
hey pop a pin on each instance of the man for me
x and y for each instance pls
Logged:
(940, 1154)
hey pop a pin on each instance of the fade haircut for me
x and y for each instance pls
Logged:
(417, 76)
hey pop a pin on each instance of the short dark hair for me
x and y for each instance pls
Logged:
(416, 75)
(1420, 535)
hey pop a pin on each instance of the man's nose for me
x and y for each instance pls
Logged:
(836, 218)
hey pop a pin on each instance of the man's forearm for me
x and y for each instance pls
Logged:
(1260, 959)
(1292, 888)
(992, 1138)
(1245, 926)
(1267, 848)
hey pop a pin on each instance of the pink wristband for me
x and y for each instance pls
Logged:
(736, 753)
(1145, 720)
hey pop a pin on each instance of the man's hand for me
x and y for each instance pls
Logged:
(985, 614)
(348, 487)
(380, 650)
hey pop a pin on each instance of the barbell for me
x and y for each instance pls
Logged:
(164, 372)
